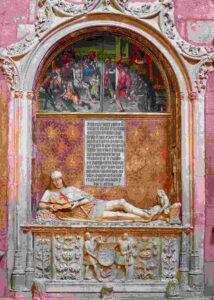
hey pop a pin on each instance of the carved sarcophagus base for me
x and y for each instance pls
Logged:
(111, 260)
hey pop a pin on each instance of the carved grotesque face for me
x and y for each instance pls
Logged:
(57, 182)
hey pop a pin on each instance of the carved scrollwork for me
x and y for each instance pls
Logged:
(21, 47)
(169, 29)
(42, 257)
(204, 71)
(71, 9)
(139, 8)
(169, 258)
(44, 16)
(10, 72)
(68, 255)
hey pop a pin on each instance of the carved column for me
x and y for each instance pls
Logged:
(185, 159)
(18, 280)
(186, 191)
(196, 277)
(20, 124)
(27, 108)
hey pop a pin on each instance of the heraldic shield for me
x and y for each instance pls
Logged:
(106, 254)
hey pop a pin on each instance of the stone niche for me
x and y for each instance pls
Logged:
(108, 260)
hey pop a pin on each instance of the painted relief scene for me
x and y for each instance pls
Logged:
(102, 74)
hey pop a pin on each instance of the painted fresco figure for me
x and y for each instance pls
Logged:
(60, 198)
(78, 82)
(70, 96)
(143, 93)
(51, 86)
(123, 86)
(95, 85)
(109, 78)
(142, 88)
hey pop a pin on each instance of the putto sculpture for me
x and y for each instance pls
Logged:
(69, 203)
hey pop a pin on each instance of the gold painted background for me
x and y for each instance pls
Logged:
(147, 154)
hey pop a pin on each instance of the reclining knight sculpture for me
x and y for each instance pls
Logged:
(61, 202)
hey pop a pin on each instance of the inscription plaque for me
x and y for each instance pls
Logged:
(104, 153)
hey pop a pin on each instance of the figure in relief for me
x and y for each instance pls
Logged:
(124, 256)
(90, 258)
(62, 201)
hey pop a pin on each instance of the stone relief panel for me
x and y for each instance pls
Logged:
(147, 258)
(68, 257)
(106, 257)
(169, 258)
(42, 257)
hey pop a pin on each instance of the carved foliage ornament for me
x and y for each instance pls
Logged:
(71, 9)
(204, 71)
(21, 47)
(169, 258)
(68, 255)
(10, 72)
(42, 257)
(138, 8)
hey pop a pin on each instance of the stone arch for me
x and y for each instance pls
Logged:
(155, 40)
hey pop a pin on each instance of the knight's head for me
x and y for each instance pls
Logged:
(56, 179)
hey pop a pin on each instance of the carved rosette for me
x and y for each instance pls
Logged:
(170, 254)
(68, 257)
(42, 257)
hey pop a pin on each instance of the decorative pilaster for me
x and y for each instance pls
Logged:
(196, 275)
(29, 270)
(20, 149)
(18, 276)
(184, 262)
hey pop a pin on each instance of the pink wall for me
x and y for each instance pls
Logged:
(15, 13)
